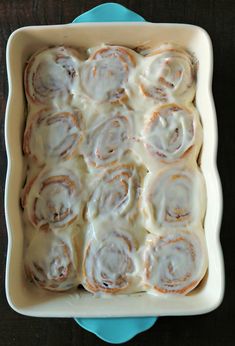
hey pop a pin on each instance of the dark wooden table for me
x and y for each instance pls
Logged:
(218, 18)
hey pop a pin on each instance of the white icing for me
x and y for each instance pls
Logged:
(53, 135)
(101, 79)
(175, 262)
(51, 73)
(115, 193)
(169, 132)
(107, 141)
(109, 262)
(104, 76)
(173, 199)
(53, 199)
(50, 264)
(169, 73)
(125, 170)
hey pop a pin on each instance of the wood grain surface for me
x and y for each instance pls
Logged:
(218, 18)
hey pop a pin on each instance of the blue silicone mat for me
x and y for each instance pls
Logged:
(113, 330)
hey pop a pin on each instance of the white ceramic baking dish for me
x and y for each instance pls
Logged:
(21, 297)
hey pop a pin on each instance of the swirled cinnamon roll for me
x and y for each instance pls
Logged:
(176, 262)
(170, 133)
(116, 193)
(109, 263)
(174, 199)
(169, 75)
(104, 76)
(53, 135)
(53, 199)
(51, 74)
(108, 140)
(51, 263)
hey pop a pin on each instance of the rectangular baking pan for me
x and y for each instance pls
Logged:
(21, 45)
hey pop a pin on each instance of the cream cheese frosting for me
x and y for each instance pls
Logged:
(114, 198)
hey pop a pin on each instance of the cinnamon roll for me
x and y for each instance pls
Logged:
(53, 199)
(116, 193)
(108, 141)
(174, 199)
(109, 264)
(50, 74)
(53, 135)
(176, 262)
(170, 132)
(105, 75)
(51, 263)
(169, 75)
